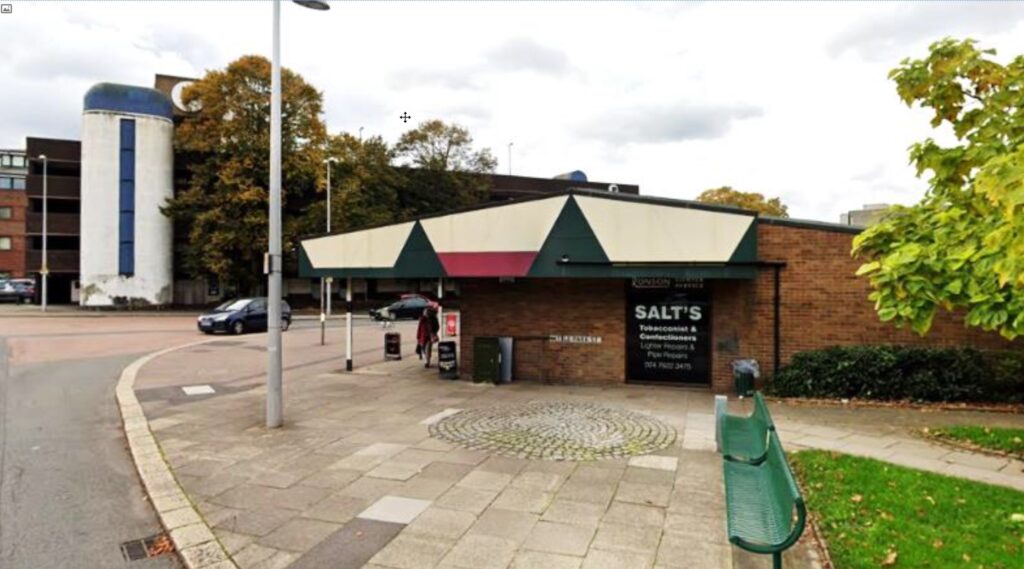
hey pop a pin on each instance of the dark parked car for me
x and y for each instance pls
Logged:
(409, 307)
(17, 290)
(241, 316)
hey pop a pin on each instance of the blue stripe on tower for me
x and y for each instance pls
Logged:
(126, 201)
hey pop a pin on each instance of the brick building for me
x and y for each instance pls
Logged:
(13, 167)
(63, 204)
(602, 288)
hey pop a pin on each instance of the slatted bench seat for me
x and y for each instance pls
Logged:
(764, 508)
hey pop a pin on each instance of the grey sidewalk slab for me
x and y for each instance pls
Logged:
(296, 494)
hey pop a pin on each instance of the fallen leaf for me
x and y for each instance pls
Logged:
(930, 499)
(937, 544)
(1017, 518)
(857, 498)
(890, 559)
(967, 558)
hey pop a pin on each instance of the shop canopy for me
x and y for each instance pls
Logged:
(585, 234)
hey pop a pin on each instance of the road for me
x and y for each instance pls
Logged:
(69, 494)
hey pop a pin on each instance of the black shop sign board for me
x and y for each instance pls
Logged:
(447, 363)
(668, 331)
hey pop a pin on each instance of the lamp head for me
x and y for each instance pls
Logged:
(42, 157)
(313, 4)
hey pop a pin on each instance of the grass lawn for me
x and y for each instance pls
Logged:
(874, 514)
(991, 438)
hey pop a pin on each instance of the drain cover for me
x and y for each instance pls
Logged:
(147, 547)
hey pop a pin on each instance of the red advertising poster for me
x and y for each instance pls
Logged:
(451, 324)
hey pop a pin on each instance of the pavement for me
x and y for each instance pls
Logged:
(355, 478)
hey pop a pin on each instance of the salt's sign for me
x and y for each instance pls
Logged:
(668, 326)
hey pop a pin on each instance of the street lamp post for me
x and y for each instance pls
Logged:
(275, 407)
(326, 281)
(510, 159)
(44, 269)
(330, 160)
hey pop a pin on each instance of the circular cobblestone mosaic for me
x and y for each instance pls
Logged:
(555, 430)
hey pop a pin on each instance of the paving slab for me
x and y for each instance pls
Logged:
(394, 509)
(351, 547)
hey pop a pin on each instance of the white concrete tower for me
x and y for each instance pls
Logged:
(127, 175)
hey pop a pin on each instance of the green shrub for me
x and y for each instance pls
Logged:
(903, 373)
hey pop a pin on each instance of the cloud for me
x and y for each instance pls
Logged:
(512, 56)
(659, 124)
(193, 48)
(871, 174)
(887, 35)
(453, 79)
(523, 54)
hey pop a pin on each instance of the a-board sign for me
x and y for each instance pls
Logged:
(392, 346)
(668, 330)
(447, 363)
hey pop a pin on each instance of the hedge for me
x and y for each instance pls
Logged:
(894, 373)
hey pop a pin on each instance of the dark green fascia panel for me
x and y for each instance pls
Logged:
(570, 236)
(746, 250)
(418, 258)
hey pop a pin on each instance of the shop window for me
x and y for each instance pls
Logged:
(6, 213)
(5, 243)
(126, 201)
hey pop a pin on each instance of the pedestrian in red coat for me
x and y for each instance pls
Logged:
(426, 333)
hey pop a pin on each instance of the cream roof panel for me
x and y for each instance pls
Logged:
(513, 227)
(371, 248)
(640, 232)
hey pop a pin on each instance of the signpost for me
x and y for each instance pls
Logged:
(668, 331)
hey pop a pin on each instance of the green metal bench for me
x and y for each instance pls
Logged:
(765, 511)
(745, 439)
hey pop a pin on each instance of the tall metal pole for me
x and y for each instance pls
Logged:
(348, 323)
(330, 281)
(440, 306)
(45, 269)
(275, 405)
(510, 159)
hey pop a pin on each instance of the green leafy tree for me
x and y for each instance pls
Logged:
(746, 200)
(444, 171)
(224, 206)
(962, 246)
(365, 186)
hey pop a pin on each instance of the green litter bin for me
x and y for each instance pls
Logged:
(486, 359)
(745, 372)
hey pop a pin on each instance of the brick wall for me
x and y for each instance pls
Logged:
(823, 304)
(542, 307)
(13, 261)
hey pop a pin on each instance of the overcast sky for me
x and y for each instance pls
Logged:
(787, 99)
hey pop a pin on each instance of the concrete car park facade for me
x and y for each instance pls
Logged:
(603, 288)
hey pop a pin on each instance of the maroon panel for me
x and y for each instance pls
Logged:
(504, 264)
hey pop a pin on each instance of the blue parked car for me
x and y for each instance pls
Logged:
(241, 316)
